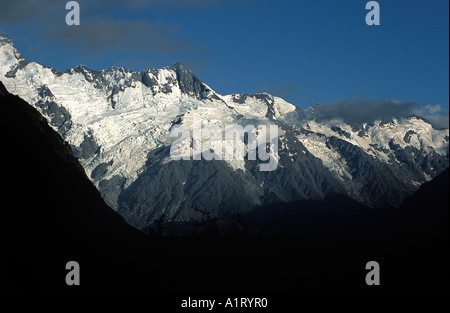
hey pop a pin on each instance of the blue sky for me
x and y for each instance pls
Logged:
(304, 51)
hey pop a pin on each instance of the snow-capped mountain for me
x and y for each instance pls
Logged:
(118, 123)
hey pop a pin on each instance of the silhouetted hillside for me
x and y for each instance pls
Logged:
(50, 208)
(426, 212)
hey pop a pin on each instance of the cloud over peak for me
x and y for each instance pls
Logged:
(367, 110)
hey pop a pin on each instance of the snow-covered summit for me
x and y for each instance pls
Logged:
(4, 39)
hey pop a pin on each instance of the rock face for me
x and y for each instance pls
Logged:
(118, 124)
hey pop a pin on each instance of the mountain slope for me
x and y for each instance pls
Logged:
(426, 212)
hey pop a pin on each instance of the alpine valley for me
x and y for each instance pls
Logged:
(118, 123)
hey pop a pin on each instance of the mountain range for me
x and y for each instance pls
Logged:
(118, 123)
(53, 214)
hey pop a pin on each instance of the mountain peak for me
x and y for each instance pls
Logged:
(4, 39)
(189, 83)
(177, 66)
(12, 60)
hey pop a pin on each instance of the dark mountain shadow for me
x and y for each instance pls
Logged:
(418, 232)
(426, 212)
(411, 241)
(51, 212)
(335, 216)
